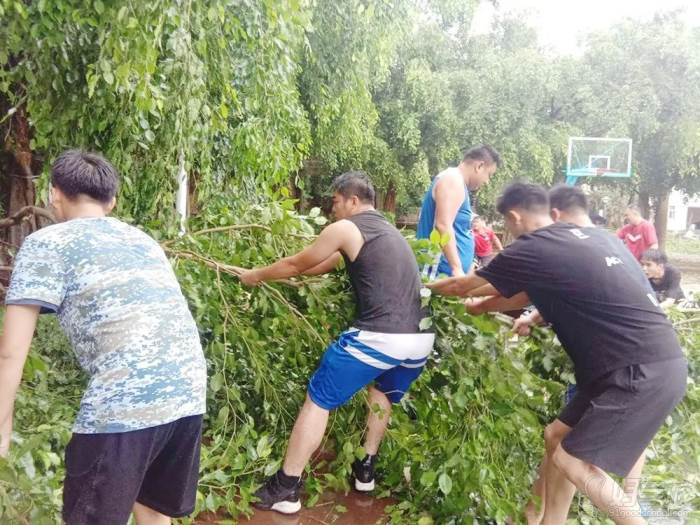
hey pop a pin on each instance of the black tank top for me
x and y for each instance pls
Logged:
(385, 278)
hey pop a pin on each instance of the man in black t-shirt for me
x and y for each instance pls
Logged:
(664, 278)
(629, 366)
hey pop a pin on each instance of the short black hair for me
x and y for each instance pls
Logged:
(355, 183)
(655, 256)
(76, 172)
(530, 197)
(567, 198)
(483, 153)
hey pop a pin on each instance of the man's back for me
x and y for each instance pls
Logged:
(593, 291)
(385, 278)
(119, 302)
(462, 223)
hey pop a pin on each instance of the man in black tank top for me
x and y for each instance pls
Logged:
(384, 349)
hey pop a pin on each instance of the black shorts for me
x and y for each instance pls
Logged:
(157, 467)
(615, 418)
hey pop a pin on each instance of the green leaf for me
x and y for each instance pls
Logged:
(27, 463)
(425, 323)
(428, 478)
(445, 483)
(216, 382)
(460, 400)
(435, 237)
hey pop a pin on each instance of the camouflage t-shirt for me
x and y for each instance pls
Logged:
(119, 303)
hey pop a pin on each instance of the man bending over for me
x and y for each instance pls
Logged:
(629, 366)
(384, 348)
(136, 439)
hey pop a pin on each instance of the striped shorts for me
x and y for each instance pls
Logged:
(360, 357)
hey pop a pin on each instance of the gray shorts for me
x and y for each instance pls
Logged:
(614, 418)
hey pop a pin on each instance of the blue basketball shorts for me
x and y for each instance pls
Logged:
(360, 357)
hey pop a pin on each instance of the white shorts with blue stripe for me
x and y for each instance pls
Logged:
(360, 357)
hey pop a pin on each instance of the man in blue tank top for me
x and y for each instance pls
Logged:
(446, 207)
(384, 350)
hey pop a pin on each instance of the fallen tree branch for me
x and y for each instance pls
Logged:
(229, 269)
(236, 227)
(237, 270)
(25, 212)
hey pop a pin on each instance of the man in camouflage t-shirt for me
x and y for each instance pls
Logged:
(136, 439)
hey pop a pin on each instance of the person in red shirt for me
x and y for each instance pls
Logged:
(638, 234)
(484, 241)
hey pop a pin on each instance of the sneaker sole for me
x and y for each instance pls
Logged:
(364, 487)
(287, 507)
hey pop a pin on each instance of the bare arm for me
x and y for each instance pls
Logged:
(497, 243)
(497, 303)
(329, 242)
(483, 291)
(449, 196)
(17, 334)
(326, 266)
(458, 286)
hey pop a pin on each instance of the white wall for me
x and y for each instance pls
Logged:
(678, 210)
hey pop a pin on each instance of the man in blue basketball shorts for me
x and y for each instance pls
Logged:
(384, 349)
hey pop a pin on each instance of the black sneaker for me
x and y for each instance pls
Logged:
(273, 496)
(363, 472)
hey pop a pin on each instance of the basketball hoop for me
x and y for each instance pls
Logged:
(598, 157)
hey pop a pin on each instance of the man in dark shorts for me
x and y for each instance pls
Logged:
(384, 349)
(629, 366)
(665, 279)
(567, 204)
(136, 439)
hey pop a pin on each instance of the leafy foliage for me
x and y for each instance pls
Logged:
(243, 92)
(463, 445)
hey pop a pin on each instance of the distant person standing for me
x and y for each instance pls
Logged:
(485, 240)
(664, 278)
(638, 234)
(446, 207)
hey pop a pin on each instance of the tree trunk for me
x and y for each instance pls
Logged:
(661, 217)
(389, 203)
(644, 203)
(19, 186)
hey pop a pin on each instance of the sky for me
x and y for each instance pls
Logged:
(560, 23)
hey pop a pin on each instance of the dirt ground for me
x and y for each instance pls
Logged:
(333, 509)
